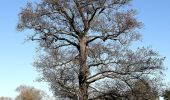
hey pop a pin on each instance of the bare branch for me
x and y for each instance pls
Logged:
(63, 39)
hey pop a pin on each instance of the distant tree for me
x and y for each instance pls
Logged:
(143, 90)
(166, 94)
(85, 46)
(29, 93)
(5, 98)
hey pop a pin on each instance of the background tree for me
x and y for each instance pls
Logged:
(140, 89)
(85, 46)
(29, 93)
(143, 90)
(5, 98)
(166, 94)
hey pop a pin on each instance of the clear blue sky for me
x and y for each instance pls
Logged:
(16, 57)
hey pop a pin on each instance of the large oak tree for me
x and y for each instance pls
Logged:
(85, 46)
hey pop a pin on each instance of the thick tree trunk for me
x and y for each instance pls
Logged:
(83, 71)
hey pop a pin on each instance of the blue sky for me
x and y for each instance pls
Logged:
(16, 57)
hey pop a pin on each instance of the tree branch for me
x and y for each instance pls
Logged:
(102, 75)
(102, 63)
(104, 38)
(85, 22)
(70, 20)
(63, 39)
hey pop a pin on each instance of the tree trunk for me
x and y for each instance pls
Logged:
(83, 71)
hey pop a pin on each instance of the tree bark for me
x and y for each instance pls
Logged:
(83, 71)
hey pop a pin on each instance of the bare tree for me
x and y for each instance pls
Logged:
(29, 93)
(85, 46)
